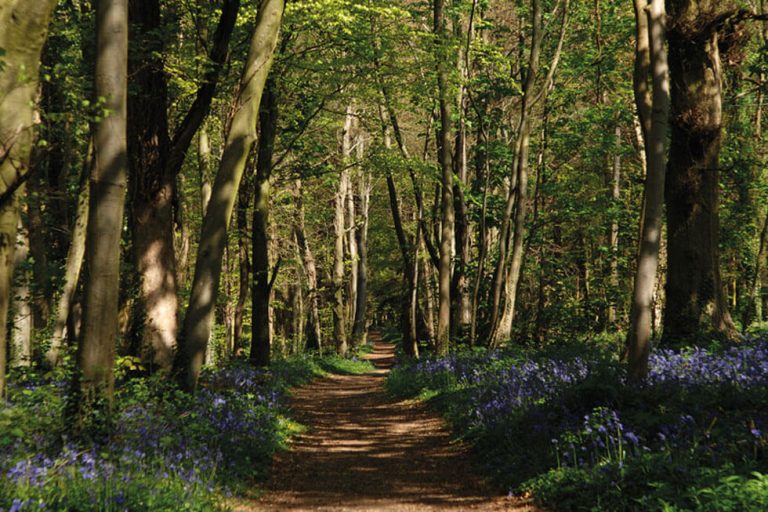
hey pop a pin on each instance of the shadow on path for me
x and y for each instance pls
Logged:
(363, 451)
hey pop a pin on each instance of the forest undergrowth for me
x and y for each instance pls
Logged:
(563, 424)
(165, 450)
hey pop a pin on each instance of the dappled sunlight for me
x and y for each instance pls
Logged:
(366, 451)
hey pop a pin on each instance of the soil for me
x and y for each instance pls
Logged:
(364, 451)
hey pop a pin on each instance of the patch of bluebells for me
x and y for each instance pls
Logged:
(744, 367)
(230, 428)
(592, 417)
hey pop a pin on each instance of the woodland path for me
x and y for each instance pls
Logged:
(365, 452)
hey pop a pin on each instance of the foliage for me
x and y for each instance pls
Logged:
(572, 431)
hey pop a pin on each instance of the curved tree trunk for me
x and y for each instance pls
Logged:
(640, 317)
(24, 27)
(242, 135)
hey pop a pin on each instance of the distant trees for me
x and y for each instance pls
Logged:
(470, 171)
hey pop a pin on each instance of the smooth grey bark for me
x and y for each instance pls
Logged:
(639, 335)
(350, 226)
(242, 135)
(445, 158)
(108, 182)
(613, 238)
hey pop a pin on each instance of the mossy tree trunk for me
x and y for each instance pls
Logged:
(695, 299)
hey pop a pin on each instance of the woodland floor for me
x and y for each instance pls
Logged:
(363, 451)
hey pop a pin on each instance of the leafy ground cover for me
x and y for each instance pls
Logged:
(166, 450)
(564, 424)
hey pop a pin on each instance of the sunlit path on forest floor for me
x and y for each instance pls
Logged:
(363, 451)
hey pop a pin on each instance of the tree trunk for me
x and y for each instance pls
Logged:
(24, 29)
(640, 318)
(96, 350)
(614, 233)
(242, 135)
(695, 299)
(446, 164)
(314, 330)
(359, 326)
(152, 185)
(261, 338)
(21, 350)
(351, 227)
(71, 272)
(40, 244)
(244, 273)
(204, 167)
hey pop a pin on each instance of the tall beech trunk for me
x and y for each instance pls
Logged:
(640, 317)
(152, 185)
(96, 349)
(156, 160)
(445, 158)
(242, 135)
(339, 307)
(24, 29)
(359, 326)
(351, 227)
(314, 331)
(261, 337)
(695, 299)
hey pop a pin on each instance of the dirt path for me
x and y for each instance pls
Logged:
(363, 451)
